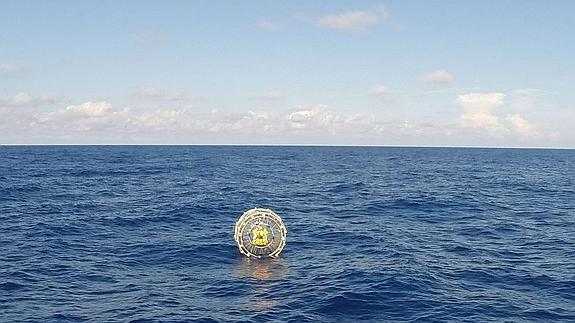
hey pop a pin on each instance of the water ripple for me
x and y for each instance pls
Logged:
(144, 234)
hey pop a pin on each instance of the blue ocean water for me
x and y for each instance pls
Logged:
(145, 234)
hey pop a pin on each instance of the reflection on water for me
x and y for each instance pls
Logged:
(264, 304)
(260, 269)
(265, 272)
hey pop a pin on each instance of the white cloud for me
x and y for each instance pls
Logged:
(21, 99)
(24, 99)
(250, 123)
(487, 121)
(303, 124)
(439, 77)
(150, 92)
(160, 119)
(316, 120)
(259, 115)
(18, 114)
(319, 119)
(88, 116)
(267, 25)
(484, 120)
(304, 117)
(522, 126)
(355, 20)
(90, 109)
(478, 110)
(100, 115)
(480, 102)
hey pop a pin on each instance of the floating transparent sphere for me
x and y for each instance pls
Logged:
(260, 233)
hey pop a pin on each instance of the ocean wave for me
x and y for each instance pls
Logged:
(130, 234)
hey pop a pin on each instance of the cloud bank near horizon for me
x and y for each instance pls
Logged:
(350, 73)
(483, 119)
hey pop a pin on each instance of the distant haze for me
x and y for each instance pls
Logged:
(422, 73)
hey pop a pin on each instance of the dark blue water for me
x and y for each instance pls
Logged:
(145, 234)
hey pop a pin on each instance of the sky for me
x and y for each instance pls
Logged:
(414, 73)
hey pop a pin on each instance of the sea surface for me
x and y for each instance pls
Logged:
(377, 234)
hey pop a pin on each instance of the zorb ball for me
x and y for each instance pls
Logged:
(260, 233)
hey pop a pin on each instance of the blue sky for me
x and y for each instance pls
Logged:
(426, 73)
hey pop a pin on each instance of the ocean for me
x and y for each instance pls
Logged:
(375, 234)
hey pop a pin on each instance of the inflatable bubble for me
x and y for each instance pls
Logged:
(260, 233)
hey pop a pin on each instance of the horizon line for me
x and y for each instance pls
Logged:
(300, 145)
